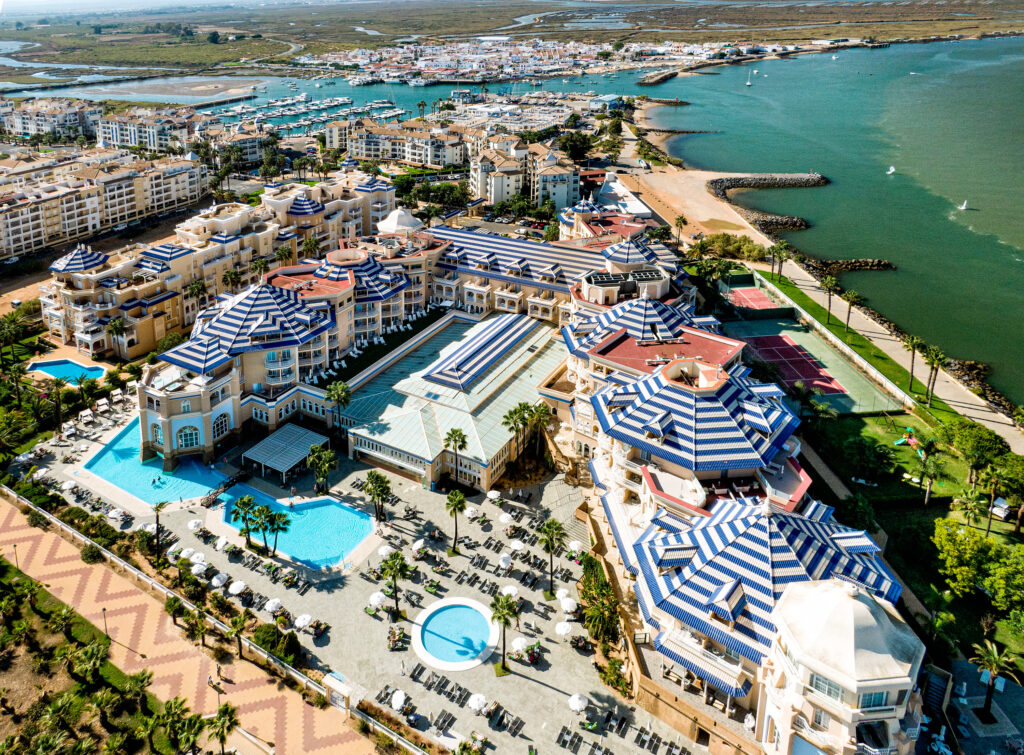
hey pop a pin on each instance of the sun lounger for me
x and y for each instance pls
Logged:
(431, 681)
(442, 685)
(622, 727)
(595, 748)
(574, 742)
(417, 672)
(640, 734)
(654, 744)
(515, 727)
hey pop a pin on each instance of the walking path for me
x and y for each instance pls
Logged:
(144, 637)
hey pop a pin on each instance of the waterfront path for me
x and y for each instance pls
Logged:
(144, 637)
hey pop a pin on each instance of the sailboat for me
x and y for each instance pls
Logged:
(962, 206)
(748, 78)
(892, 169)
(835, 57)
(755, 72)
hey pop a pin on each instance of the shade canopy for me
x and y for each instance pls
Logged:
(519, 644)
(563, 628)
(578, 703)
(419, 544)
(303, 621)
(562, 593)
(198, 558)
(516, 545)
(510, 590)
(398, 699)
(504, 560)
(493, 495)
(505, 519)
(198, 569)
(377, 599)
(236, 588)
(471, 511)
(67, 485)
(568, 605)
(477, 702)
(385, 550)
(187, 553)
(274, 604)
(285, 449)
(221, 543)
(219, 580)
(195, 524)
(575, 546)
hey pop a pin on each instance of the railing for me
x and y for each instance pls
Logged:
(277, 363)
(807, 731)
(215, 623)
(866, 749)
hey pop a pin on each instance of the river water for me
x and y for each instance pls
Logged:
(947, 116)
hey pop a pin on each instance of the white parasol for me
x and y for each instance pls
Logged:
(274, 604)
(303, 621)
(493, 495)
(505, 518)
(198, 569)
(470, 512)
(39, 474)
(195, 524)
(115, 514)
(578, 703)
(221, 543)
(562, 593)
(504, 560)
(575, 546)
(236, 588)
(476, 702)
(385, 550)
(150, 528)
(67, 485)
(220, 580)
(377, 599)
(519, 644)
(187, 553)
(173, 549)
(198, 558)
(510, 590)
(568, 605)
(516, 545)
(563, 628)
(419, 544)
(398, 699)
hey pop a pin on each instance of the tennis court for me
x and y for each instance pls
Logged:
(801, 354)
(751, 298)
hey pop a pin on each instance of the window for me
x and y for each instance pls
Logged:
(874, 699)
(821, 718)
(221, 425)
(188, 437)
(826, 687)
(156, 433)
(186, 407)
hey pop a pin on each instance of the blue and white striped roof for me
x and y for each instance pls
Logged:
(349, 162)
(632, 251)
(702, 429)
(474, 357)
(303, 206)
(737, 562)
(375, 184)
(263, 317)
(166, 252)
(198, 355)
(78, 260)
(644, 319)
(153, 266)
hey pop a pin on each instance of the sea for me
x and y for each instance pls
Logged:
(946, 116)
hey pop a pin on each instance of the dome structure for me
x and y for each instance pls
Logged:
(78, 260)
(399, 221)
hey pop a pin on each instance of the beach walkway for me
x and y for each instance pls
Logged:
(144, 638)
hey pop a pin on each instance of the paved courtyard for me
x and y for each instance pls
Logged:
(356, 646)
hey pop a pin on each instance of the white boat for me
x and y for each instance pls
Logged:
(835, 57)
(892, 169)
(748, 78)
(417, 82)
(962, 206)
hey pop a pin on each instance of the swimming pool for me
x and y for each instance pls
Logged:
(68, 369)
(118, 463)
(454, 634)
(323, 531)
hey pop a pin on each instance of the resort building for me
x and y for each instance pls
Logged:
(410, 143)
(26, 169)
(93, 200)
(63, 118)
(248, 139)
(588, 221)
(496, 176)
(498, 172)
(154, 130)
(550, 175)
(614, 195)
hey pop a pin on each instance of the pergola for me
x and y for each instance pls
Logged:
(284, 450)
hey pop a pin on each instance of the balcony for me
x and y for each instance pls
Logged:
(277, 362)
(689, 646)
(278, 378)
(820, 738)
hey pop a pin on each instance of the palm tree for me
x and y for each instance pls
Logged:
(223, 723)
(90, 659)
(456, 441)
(990, 479)
(378, 488)
(278, 523)
(55, 390)
(852, 299)
(997, 662)
(504, 611)
(601, 616)
(932, 470)
(260, 521)
(913, 344)
(231, 279)
(680, 222)
(173, 717)
(258, 267)
(196, 289)
(147, 727)
(116, 329)
(135, 686)
(321, 461)
(830, 285)
(936, 360)
(552, 540)
(971, 504)
(243, 511)
(173, 608)
(191, 732)
(455, 505)
(422, 107)
(284, 254)
(539, 417)
(103, 702)
(237, 631)
(157, 508)
(61, 621)
(395, 568)
(779, 253)
(339, 394)
(196, 627)
(311, 247)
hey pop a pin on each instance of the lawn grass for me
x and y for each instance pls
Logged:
(874, 355)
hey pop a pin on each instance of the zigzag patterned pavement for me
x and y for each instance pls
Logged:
(144, 637)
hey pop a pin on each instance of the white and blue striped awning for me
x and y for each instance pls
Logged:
(78, 260)
(153, 266)
(303, 206)
(261, 317)
(737, 562)
(702, 430)
(166, 252)
(472, 358)
(199, 355)
(644, 319)
(632, 251)
(585, 205)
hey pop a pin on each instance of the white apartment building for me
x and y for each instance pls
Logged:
(60, 117)
(496, 176)
(152, 132)
(541, 173)
(410, 143)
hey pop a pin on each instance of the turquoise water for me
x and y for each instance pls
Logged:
(455, 633)
(948, 117)
(322, 532)
(67, 369)
(118, 463)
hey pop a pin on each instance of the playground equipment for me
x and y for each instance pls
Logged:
(911, 440)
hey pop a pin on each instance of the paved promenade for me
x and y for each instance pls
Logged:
(144, 637)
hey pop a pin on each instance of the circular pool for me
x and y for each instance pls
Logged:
(454, 634)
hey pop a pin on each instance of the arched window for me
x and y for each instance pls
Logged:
(220, 426)
(156, 433)
(188, 437)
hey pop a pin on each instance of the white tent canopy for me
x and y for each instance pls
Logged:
(284, 450)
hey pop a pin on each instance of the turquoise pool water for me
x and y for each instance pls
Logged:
(118, 463)
(68, 369)
(322, 532)
(455, 633)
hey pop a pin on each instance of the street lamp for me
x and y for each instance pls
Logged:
(105, 622)
(16, 564)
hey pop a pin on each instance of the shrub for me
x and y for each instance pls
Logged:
(91, 554)
(383, 743)
(319, 701)
(35, 519)
(220, 604)
(363, 727)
